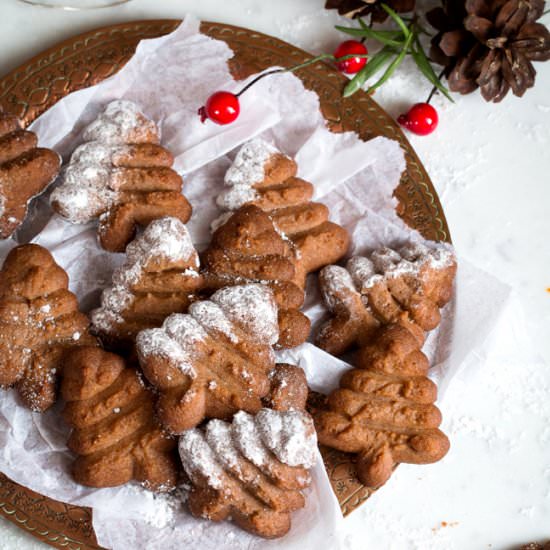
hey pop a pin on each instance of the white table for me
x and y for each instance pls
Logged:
(491, 166)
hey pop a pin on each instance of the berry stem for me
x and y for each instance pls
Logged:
(434, 88)
(300, 66)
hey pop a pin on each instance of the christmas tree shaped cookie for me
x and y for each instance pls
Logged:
(384, 410)
(248, 248)
(39, 321)
(214, 360)
(407, 286)
(115, 433)
(159, 277)
(261, 175)
(252, 470)
(121, 175)
(25, 171)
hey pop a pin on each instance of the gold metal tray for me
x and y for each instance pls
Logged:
(89, 58)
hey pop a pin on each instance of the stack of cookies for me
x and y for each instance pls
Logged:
(174, 376)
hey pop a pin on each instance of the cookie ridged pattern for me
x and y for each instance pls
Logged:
(252, 470)
(248, 248)
(263, 176)
(160, 276)
(214, 360)
(407, 286)
(39, 322)
(115, 433)
(121, 176)
(25, 172)
(384, 410)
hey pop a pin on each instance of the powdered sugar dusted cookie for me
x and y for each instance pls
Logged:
(115, 433)
(407, 286)
(252, 470)
(159, 277)
(39, 321)
(248, 248)
(214, 360)
(121, 175)
(261, 175)
(25, 171)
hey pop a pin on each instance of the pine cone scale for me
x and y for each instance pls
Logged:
(534, 41)
(452, 42)
(479, 26)
(489, 79)
(512, 17)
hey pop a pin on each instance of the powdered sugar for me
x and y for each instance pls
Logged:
(252, 307)
(387, 263)
(164, 508)
(289, 435)
(212, 317)
(97, 153)
(248, 166)
(199, 460)
(185, 330)
(248, 439)
(121, 122)
(116, 299)
(84, 192)
(362, 271)
(179, 335)
(219, 437)
(286, 436)
(342, 286)
(165, 240)
(175, 341)
(236, 197)
(337, 286)
(247, 170)
(89, 182)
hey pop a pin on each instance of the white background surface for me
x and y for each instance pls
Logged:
(491, 167)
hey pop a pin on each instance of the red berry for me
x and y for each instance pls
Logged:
(421, 119)
(221, 108)
(353, 64)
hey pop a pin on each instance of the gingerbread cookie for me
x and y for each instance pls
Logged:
(263, 176)
(121, 175)
(252, 470)
(384, 410)
(25, 171)
(159, 277)
(407, 286)
(248, 248)
(39, 321)
(115, 433)
(213, 361)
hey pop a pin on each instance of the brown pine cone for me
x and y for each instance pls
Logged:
(362, 8)
(490, 45)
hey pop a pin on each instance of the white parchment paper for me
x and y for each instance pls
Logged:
(170, 77)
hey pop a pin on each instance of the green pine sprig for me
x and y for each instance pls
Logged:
(396, 45)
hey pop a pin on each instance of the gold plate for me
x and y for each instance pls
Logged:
(91, 57)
